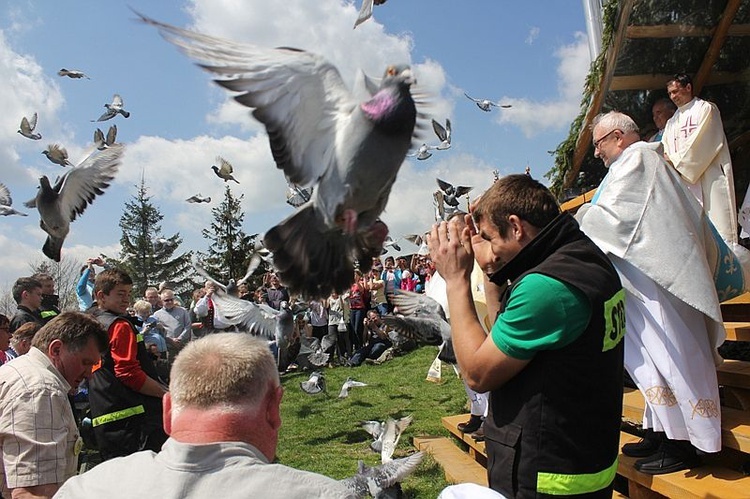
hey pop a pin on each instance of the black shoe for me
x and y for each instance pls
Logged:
(647, 446)
(479, 434)
(471, 425)
(673, 455)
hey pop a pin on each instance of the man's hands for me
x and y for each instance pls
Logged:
(451, 250)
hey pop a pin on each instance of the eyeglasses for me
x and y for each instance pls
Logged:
(167, 299)
(600, 139)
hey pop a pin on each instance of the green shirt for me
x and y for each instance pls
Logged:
(542, 313)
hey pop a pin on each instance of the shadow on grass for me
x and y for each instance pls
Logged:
(347, 437)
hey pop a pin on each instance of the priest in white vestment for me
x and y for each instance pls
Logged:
(695, 144)
(671, 262)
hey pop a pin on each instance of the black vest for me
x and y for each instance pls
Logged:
(560, 415)
(125, 421)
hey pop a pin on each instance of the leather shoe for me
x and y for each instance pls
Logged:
(479, 434)
(471, 425)
(647, 446)
(673, 455)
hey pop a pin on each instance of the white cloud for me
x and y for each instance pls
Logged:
(533, 35)
(556, 114)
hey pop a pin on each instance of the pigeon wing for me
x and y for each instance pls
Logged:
(32, 123)
(365, 12)
(444, 186)
(79, 186)
(441, 132)
(389, 440)
(299, 96)
(226, 167)
(5, 198)
(393, 472)
(419, 329)
(410, 303)
(374, 428)
(111, 135)
(462, 190)
(472, 98)
(99, 138)
(117, 102)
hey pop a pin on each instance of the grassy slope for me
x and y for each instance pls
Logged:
(321, 433)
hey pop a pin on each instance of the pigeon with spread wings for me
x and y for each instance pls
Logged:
(225, 170)
(28, 126)
(486, 105)
(321, 136)
(60, 204)
(5, 203)
(113, 109)
(423, 318)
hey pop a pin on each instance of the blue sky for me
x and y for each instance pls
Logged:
(533, 55)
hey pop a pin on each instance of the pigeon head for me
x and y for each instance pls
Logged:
(399, 74)
(392, 108)
(44, 182)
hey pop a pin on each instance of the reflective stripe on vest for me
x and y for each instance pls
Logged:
(118, 415)
(139, 338)
(560, 484)
(48, 313)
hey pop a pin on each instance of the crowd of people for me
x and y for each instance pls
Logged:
(574, 302)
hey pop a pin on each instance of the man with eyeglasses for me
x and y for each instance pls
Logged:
(695, 145)
(667, 254)
(176, 321)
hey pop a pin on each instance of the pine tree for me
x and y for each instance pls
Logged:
(229, 247)
(146, 263)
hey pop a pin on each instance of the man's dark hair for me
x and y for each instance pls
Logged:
(107, 279)
(22, 284)
(681, 79)
(43, 276)
(4, 321)
(74, 329)
(26, 331)
(518, 195)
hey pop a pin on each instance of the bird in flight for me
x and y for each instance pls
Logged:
(113, 109)
(486, 104)
(28, 126)
(72, 73)
(225, 170)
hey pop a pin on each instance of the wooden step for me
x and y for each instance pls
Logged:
(735, 424)
(711, 480)
(458, 466)
(737, 331)
(476, 449)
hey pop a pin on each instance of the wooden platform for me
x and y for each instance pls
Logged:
(737, 331)
(459, 467)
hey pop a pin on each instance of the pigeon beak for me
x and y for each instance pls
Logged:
(409, 76)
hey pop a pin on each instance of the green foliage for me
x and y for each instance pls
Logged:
(321, 433)
(229, 247)
(141, 226)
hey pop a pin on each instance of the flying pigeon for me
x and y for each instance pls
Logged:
(259, 254)
(423, 318)
(365, 12)
(315, 384)
(101, 142)
(6, 201)
(114, 109)
(416, 239)
(451, 193)
(27, 128)
(311, 353)
(225, 170)
(296, 196)
(373, 481)
(443, 133)
(392, 431)
(485, 104)
(423, 152)
(320, 136)
(376, 429)
(161, 244)
(59, 205)
(390, 243)
(198, 198)
(72, 73)
(57, 155)
(349, 383)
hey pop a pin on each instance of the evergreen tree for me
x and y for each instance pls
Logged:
(146, 263)
(229, 247)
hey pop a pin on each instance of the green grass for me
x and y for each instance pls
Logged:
(321, 433)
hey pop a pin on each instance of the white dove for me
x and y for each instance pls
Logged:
(392, 431)
(443, 133)
(59, 205)
(28, 126)
(6, 201)
(486, 104)
(321, 136)
(423, 152)
(315, 384)
(349, 383)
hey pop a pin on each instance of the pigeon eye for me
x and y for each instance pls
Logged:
(391, 71)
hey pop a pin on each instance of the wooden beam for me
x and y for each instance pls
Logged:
(678, 30)
(659, 81)
(584, 136)
(714, 49)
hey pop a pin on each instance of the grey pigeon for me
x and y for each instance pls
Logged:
(297, 196)
(6, 201)
(72, 73)
(375, 429)
(423, 318)
(27, 128)
(311, 353)
(101, 142)
(348, 384)
(373, 481)
(451, 193)
(198, 198)
(57, 154)
(162, 244)
(443, 133)
(392, 431)
(390, 243)
(315, 384)
(225, 170)
(320, 135)
(416, 239)
(59, 205)
(486, 104)
(365, 11)
(113, 109)
(258, 255)
(423, 152)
